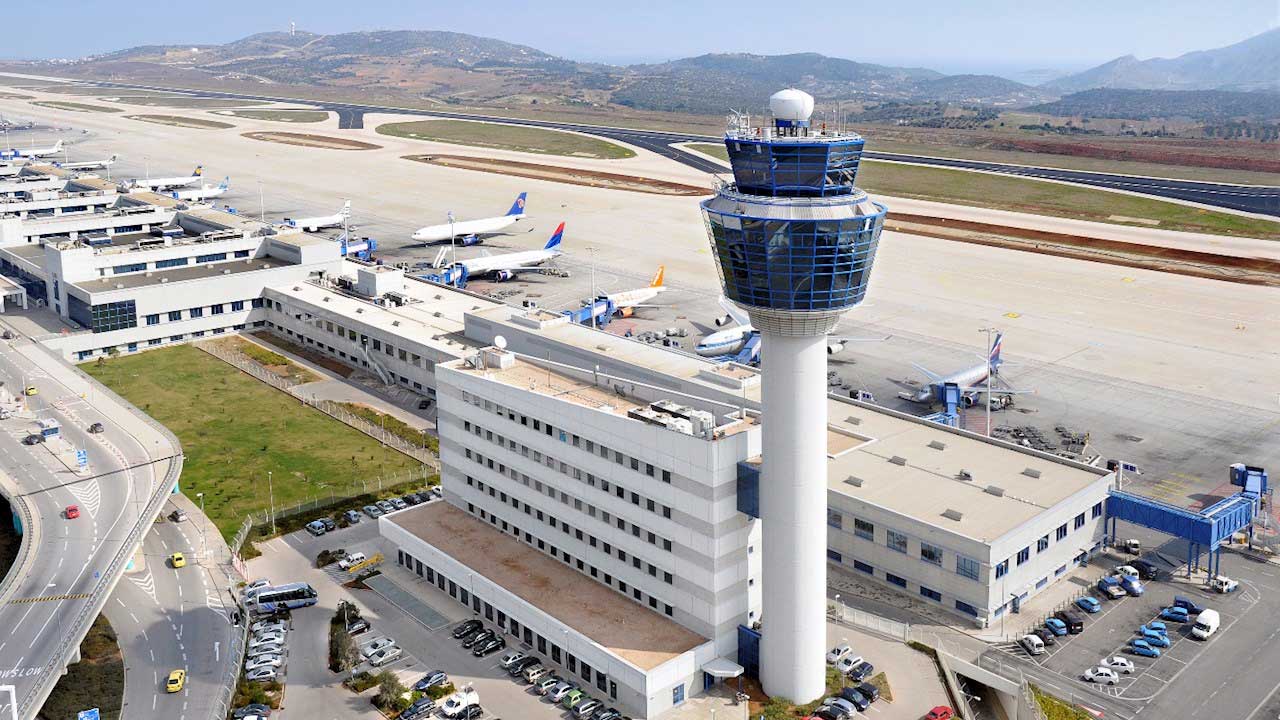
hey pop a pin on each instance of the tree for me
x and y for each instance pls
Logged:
(389, 690)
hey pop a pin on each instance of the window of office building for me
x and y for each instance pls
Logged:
(1096, 511)
(834, 520)
(173, 262)
(1024, 555)
(895, 540)
(1062, 532)
(967, 567)
(213, 257)
(114, 316)
(930, 553)
(153, 319)
(895, 580)
(1079, 522)
(130, 268)
(833, 556)
(864, 529)
(931, 594)
(1042, 544)
(1002, 569)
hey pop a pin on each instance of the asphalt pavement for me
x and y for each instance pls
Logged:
(52, 596)
(1262, 200)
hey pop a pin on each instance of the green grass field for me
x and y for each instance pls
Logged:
(289, 116)
(74, 106)
(179, 121)
(507, 137)
(1048, 198)
(715, 150)
(235, 429)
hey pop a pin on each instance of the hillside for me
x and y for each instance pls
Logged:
(1252, 64)
(1199, 105)
(459, 68)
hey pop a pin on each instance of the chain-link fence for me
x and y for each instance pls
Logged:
(894, 629)
(369, 487)
(239, 642)
(328, 407)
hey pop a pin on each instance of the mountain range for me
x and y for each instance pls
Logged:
(455, 68)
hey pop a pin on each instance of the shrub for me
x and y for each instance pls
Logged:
(391, 692)
(360, 682)
(438, 691)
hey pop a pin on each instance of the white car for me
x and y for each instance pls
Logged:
(376, 644)
(384, 656)
(1101, 675)
(838, 652)
(275, 638)
(259, 583)
(266, 626)
(254, 663)
(848, 663)
(1119, 664)
(268, 649)
(1125, 570)
(261, 674)
(352, 559)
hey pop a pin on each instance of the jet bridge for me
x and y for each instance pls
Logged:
(1204, 530)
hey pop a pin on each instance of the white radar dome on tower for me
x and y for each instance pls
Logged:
(791, 104)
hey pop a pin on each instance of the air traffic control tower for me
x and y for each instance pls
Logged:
(794, 241)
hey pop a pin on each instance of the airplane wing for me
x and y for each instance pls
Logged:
(734, 311)
(933, 376)
(843, 340)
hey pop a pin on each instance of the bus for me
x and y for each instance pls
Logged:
(281, 597)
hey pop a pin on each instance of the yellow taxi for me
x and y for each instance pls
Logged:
(176, 680)
(32, 390)
(178, 560)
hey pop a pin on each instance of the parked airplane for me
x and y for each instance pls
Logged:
(732, 340)
(627, 300)
(12, 153)
(204, 192)
(471, 232)
(311, 224)
(970, 380)
(88, 164)
(170, 183)
(504, 267)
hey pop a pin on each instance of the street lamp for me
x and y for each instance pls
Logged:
(990, 372)
(200, 496)
(271, 494)
(592, 251)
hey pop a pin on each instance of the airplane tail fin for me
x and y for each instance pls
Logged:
(199, 171)
(57, 146)
(346, 209)
(994, 359)
(657, 278)
(226, 183)
(554, 242)
(517, 207)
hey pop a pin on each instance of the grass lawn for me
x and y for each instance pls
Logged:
(96, 681)
(1055, 709)
(715, 150)
(507, 137)
(1048, 198)
(179, 121)
(235, 429)
(74, 106)
(293, 116)
(394, 425)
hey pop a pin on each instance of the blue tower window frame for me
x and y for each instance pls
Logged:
(795, 169)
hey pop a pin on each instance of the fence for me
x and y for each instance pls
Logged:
(1028, 706)
(842, 613)
(239, 642)
(328, 407)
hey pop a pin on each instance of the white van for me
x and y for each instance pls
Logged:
(352, 559)
(1206, 624)
(1033, 644)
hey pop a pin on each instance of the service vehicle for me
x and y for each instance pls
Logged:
(1223, 584)
(1032, 644)
(1206, 624)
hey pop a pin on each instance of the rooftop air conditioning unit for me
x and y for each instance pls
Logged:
(951, 514)
(995, 490)
(898, 460)
(1031, 473)
(937, 445)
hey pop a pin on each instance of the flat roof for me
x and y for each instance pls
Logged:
(179, 274)
(913, 467)
(627, 629)
(550, 383)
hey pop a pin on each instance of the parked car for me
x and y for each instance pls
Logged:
(488, 647)
(358, 626)
(585, 708)
(840, 705)
(535, 672)
(1073, 622)
(471, 712)
(521, 665)
(510, 658)
(1223, 584)
(420, 708)
(546, 685)
(430, 680)
(263, 661)
(1119, 664)
(176, 680)
(571, 698)
(942, 712)
(414, 499)
(1155, 626)
(1175, 614)
(264, 674)
(1032, 644)
(257, 584)
(1045, 635)
(97, 428)
(1156, 639)
(1101, 675)
(316, 528)
(252, 710)
(352, 517)
(826, 712)
(372, 511)
(1110, 587)
(379, 643)
(268, 649)
(352, 559)
(838, 652)
(1088, 604)
(385, 506)
(266, 638)
(398, 504)
(72, 512)
(562, 688)
(384, 656)
(178, 515)
(848, 663)
(436, 492)
(466, 627)
(1143, 648)
(263, 626)
(610, 714)
(1132, 584)
(1206, 624)
(1122, 570)
(855, 698)
(869, 691)
(1146, 570)
(329, 524)
(1186, 603)
(33, 439)
(1056, 626)
(862, 671)
(470, 641)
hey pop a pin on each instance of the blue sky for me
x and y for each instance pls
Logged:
(997, 36)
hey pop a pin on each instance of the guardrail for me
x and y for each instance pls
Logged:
(24, 546)
(50, 673)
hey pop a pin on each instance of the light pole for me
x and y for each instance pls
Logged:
(592, 250)
(200, 496)
(271, 494)
(262, 203)
(990, 371)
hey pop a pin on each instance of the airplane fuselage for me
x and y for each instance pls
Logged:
(316, 223)
(484, 226)
(724, 342)
(168, 183)
(510, 262)
(631, 298)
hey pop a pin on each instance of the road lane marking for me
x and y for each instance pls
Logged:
(48, 598)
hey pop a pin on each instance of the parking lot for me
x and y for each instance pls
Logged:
(1107, 634)
(912, 675)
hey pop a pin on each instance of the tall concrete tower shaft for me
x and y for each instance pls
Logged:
(794, 241)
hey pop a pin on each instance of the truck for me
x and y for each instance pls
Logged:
(1223, 584)
(1206, 624)
(1110, 586)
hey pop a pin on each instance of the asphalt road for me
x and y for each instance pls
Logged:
(47, 609)
(169, 618)
(1249, 198)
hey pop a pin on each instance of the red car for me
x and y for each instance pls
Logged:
(942, 712)
(73, 512)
